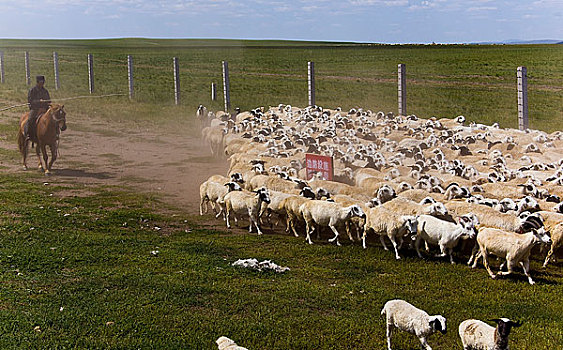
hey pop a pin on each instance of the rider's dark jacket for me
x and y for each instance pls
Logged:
(35, 94)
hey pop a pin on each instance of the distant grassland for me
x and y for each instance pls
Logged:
(444, 81)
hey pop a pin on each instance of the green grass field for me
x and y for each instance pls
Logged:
(77, 272)
(76, 268)
(444, 81)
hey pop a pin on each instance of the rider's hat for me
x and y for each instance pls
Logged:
(40, 78)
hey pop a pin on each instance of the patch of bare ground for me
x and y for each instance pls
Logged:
(164, 161)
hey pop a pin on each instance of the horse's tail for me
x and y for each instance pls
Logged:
(21, 142)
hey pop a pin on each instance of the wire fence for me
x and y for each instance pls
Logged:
(267, 77)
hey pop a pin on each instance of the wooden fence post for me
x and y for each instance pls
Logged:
(130, 76)
(402, 89)
(213, 92)
(56, 68)
(176, 81)
(2, 67)
(91, 73)
(522, 75)
(27, 71)
(311, 82)
(226, 87)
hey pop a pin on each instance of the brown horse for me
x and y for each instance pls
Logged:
(48, 127)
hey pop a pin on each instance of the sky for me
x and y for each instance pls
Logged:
(374, 21)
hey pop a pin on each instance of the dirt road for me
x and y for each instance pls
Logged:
(164, 161)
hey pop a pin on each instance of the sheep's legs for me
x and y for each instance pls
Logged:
(526, 267)
(383, 243)
(486, 263)
(227, 217)
(364, 237)
(203, 202)
(389, 331)
(292, 225)
(335, 238)
(417, 246)
(348, 231)
(308, 231)
(424, 343)
(395, 246)
(474, 255)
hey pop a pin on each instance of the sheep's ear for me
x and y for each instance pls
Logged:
(517, 323)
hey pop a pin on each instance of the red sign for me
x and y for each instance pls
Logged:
(315, 163)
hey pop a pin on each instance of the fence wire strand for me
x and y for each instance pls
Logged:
(64, 99)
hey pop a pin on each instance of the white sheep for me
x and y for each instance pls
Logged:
(554, 225)
(225, 343)
(513, 247)
(239, 203)
(443, 233)
(211, 192)
(406, 317)
(395, 226)
(478, 335)
(329, 214)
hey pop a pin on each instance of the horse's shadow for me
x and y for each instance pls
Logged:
(81, 173)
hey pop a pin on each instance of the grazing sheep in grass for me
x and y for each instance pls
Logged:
(406, 317)
(554, 225)
(513, 247)
(329, 214)
(395, 226)
(212, 193)
(238, 203)
(225, 343)
(443, 233)
(291, 206)
(477, 335)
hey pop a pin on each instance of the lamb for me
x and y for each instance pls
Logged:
(391, 224)
(225, 343)
(410, 319)
(478, 335)
(201, 115)
(514, 247)
(213, 192)
(275, 205)
(328, 214)
(443, 233)
(246, 203)
(291, 206)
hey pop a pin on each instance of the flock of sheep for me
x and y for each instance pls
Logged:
(433, 181)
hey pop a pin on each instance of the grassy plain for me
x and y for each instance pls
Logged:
(77, 272)
(443, 80)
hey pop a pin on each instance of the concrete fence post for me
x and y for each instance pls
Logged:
(2, 67)
(226, 86)
(522, 75)
(213, 92)
(311, 82)
(56, 69)
(130, 76)
(402, 89)
(27, 70)
(176, 80)
(91, 73)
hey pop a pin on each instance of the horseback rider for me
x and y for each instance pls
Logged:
(38, 99)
